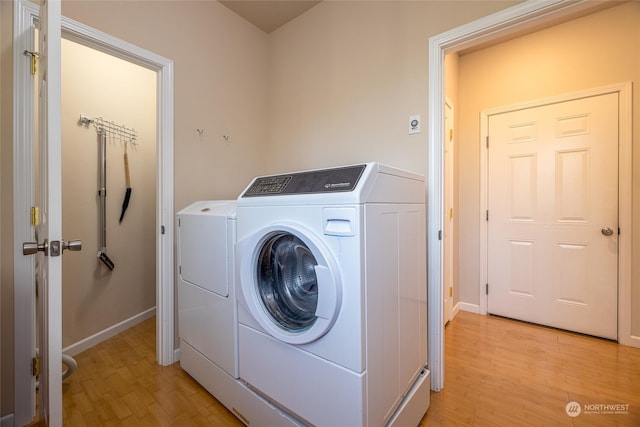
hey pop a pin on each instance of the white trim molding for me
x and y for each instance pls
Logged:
(510, 22)
(24, 308)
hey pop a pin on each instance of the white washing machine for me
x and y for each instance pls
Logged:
(331, 287)
(207, 311)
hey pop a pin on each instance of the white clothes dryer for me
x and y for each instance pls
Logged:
(207, 311)
(206, 294)
(331, 287)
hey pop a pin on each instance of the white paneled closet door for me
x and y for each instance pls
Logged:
(553, 214)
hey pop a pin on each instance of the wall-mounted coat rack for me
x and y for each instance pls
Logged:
(113, 130)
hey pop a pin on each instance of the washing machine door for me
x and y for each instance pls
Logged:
(290, 283)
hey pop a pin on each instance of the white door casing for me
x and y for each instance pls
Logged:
(23, 200)
(552, 197)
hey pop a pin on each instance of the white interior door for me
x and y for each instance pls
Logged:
(48, 232)
(448, 212)
(553, 214)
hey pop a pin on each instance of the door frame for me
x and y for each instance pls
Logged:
(508, 23)
(25, 16)
(625, 120)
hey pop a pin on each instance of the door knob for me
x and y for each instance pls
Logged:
(607, 231)
(54, 248)
(30, 248)
(72, 245)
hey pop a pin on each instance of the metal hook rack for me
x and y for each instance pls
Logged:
(115, 131)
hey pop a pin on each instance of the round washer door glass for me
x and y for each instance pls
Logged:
(287, 282)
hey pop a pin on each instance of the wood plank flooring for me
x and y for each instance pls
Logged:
(497, 373)
(119, 383)
(500, 372)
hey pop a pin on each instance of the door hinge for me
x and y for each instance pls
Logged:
(35, 366)
(35, 215)
(450, 291)
(162, 229)
(450, 134)
(487, 215)
(439, 234)
(486, 289)
(487, 141)
(34, 61)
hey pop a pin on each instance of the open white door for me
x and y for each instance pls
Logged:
(447, 290)
(48, 232)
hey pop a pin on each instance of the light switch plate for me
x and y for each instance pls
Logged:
(414, 124)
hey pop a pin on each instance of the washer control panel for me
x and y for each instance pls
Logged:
(309, 182)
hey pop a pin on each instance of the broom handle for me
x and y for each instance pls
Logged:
(126, 170)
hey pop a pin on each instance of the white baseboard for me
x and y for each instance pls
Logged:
(456, 309)
(176, 355)
(631, 341)
(6, 421)
(97, 338)
(473, 308)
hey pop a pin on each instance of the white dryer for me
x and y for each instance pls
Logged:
(331, 287)
(206, 294)
(207, 311)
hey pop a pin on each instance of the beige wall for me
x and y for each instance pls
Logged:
(592, 51)
(100, 85)
(345, 77)
(220, 67)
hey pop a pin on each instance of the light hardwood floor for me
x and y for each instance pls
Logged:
(498, 373)
(119, 383)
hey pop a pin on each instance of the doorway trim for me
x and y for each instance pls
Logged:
(25, 16)
(625, 186)
(509, 22)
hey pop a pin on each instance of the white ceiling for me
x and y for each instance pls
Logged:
(269, 15)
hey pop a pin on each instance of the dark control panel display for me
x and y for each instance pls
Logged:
(269, 185)
(310, 182)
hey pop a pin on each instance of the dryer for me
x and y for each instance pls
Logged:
(207, 311)
(331, 288)
(206, 293)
